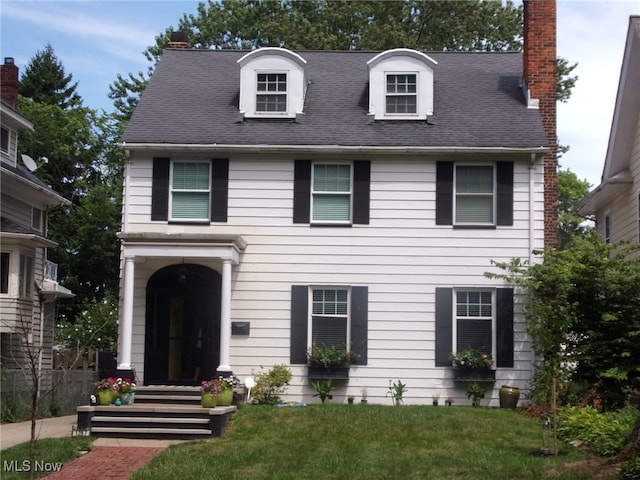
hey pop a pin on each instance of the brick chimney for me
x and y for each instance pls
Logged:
(540, 84)
(9, 81)
(178, 40)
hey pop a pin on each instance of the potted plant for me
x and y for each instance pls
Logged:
(329, 361)
(107, 390)
(397, 391)
(209, 391)
(435, 399)
(323, 389)
(449, 401)
(476, 393)
(473, 365)
(126, 390)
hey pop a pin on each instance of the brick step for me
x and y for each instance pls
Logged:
(152, 433)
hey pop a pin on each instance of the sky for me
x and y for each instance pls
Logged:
(97, 40)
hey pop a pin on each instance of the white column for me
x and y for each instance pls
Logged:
(225, 317)
(124, 350)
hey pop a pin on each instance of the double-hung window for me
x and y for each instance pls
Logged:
(26, 276)
(402, 93)
(330, 317)
(475, 202)
(331, 193)
(271, 92)
(190, 190)
(474, 320)
(5, 258)
(4, 140)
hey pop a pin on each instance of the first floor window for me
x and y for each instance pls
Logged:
(190, 190)
(330, 317)
(272, 92)
(26, 275)
(474, 321)
(401, 93)
(331, 193)
(474, 194)
(474, 318)
(4, 272)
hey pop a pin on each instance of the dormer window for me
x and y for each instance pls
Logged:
(401, 85)
(273, 83)
(272, 92)
(402, 93)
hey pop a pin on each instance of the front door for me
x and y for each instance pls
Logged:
(182, 333)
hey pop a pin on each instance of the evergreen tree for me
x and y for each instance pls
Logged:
(44, 81)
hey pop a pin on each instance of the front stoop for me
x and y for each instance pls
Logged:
(158, 413)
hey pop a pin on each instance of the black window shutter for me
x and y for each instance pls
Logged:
(444, 326)
(504, 193)
(299, 323)
(160, 189)
(504, 327)
(220, 189)
(359, 322)
(444, 193)
(302, 191)
(361, 191)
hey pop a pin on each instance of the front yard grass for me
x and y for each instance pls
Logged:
(371, 442)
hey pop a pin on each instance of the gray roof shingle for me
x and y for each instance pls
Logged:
(192, 98)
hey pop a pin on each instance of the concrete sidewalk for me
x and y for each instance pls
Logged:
(57, 427)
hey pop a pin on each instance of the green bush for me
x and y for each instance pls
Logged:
(631, 469)
(271, 384)
(606, 433)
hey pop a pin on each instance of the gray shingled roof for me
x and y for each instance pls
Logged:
(192, 98)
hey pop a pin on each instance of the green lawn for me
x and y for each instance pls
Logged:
(372, 442)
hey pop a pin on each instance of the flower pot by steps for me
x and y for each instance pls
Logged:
(509, 396)
(207, 400)
(224, 398)
(127, 398)
(105, 397)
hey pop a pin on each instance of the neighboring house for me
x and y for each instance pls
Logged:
(615, 203)
(28, 283)
(273, 199)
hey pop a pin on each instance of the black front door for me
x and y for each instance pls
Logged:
(182, 332)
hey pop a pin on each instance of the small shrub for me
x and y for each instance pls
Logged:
(606, 433)
(631, 469)
(271, 384)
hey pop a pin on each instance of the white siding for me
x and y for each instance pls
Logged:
(402, 256)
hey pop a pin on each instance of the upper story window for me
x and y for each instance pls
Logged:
(401, 85)
(402, 93)
(607, 228)
(190, 190)
(37, 219)
(273, 83)
(272, 92)
(331, 194)
(474, 194)
(26, 276)
(4, 140)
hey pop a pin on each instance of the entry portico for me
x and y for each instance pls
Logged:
(217, 251)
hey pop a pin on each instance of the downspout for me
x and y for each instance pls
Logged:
(531, 206)
(125, 193)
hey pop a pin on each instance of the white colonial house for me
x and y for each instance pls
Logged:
(615, 203)
(273, 199)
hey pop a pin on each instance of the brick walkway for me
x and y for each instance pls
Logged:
(99, 463)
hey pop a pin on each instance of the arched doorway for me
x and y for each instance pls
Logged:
(182, 328)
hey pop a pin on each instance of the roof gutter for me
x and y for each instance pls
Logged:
(366, 149)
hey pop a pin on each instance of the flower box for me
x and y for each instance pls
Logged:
(474, 375)
(326, 373)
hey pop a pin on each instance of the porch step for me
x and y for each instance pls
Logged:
(168, 394)
(157, 421)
